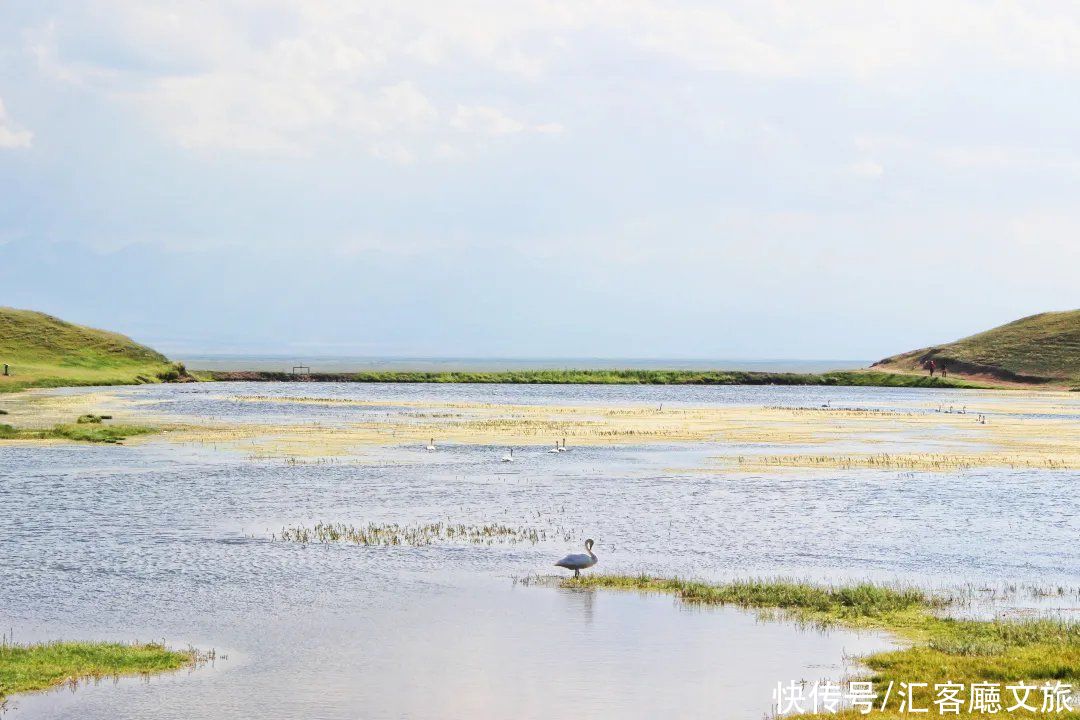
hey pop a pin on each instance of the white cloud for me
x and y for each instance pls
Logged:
(12, 136)
(551, 128)
(213, 77)
(998, 157)
(946, 156)
(282, 76)
(867, 169)
(852, 38)
(484, 120)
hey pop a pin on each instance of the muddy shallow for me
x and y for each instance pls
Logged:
(172, 540)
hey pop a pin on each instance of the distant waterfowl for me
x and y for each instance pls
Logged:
(563, 448)
(579, 561)
(431, 446)
(509, 457)
(556, 448)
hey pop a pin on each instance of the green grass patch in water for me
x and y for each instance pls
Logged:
(25, 668)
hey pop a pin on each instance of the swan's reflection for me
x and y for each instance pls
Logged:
(581, 601)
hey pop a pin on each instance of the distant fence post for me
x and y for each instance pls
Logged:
(301, 370)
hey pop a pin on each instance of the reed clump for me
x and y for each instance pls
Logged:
(384, 534)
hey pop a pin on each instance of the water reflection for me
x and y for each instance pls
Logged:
(582, 602)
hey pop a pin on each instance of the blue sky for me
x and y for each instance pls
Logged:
(540, 178)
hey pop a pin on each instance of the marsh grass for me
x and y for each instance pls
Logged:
(864, 600)
(941, 649)
(25, 668)
(908, 461)
(376, 534)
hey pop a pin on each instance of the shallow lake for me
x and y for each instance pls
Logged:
(163, 540)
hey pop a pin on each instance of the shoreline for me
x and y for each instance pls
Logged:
(934, 645)
(867, 377)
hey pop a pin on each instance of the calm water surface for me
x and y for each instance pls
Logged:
(168, 541)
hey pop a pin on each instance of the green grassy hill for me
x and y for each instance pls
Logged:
(1043, 348)
(44, 351)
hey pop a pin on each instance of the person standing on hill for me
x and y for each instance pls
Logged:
(930, 366)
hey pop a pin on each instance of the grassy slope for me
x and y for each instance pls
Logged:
(942, 649)
(24, 668)
(1040, 348)
(44, 351)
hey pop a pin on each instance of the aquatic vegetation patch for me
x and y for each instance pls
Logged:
(25, 668)
(81, 431)
(92, 418)
(854, 601)
(904, 461)
(941, 649)
(419, 535)
(854, 412)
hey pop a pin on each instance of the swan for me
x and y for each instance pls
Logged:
(579, 561)
(563, 448)
(509, 457)
(431, 447)
(556, 448)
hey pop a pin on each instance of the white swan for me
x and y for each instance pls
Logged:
(563, 448)
(509, 457)
(579, 561)
(431, 447)
(556, 448)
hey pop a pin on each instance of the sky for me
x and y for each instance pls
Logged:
(539, 178)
